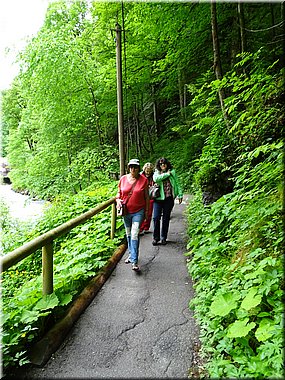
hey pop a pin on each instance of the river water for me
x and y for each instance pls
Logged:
(21, 206)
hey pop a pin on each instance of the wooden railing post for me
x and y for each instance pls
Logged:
(113, 220)
(45, 241)
(47, 263)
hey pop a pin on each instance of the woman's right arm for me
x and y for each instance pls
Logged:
(160, 177)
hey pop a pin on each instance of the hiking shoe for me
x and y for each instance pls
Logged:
(127, 261)
(135, 266)
(163, 242)
(154, 242)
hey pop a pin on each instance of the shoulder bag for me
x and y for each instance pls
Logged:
(122, 211)
(154, 191)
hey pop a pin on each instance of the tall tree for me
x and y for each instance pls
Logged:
(67, 123)
(217, 59)
(241, 26)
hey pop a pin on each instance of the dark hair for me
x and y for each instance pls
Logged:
(163, 160)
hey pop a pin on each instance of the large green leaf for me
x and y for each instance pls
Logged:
(29, 316)
(239, 329)
(66, 299)
(47, 302)
(224, 303)
(264, 330)
(251, 300)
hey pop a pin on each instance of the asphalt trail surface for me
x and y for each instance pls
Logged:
(139, 325)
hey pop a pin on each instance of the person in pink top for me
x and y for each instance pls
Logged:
(133, 189)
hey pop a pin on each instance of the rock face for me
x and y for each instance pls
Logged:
(6, 180)
(216, 188)
(4, 170)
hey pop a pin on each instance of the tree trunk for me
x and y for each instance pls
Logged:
(283, 39)
(217, 59)
(150, 137)
(241, 26)
(97, 117)
(154, 110)
(181, 93)
(137, 128)
(272, 21)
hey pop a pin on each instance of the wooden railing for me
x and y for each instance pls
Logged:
(45, 241)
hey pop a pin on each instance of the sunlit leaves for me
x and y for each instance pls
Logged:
(240, 328)
(224, 303)
(246, 230)
(252, 299)
(62, 83)
(78, 256)
(265, 329)
(47, 302)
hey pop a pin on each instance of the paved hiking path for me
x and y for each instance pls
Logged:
(139, 325)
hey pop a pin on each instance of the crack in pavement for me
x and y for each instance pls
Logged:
(126, 330)
(170, 342)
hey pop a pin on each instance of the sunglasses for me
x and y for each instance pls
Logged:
(162, 163)
(133, 167)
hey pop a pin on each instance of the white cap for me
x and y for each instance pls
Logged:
(134, 161)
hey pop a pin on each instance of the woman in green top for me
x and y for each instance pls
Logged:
(165, 176)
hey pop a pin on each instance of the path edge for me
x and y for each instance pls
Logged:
(41, 351)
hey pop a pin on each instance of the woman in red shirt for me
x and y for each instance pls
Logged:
(133, 190)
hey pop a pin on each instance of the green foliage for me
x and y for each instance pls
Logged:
(60, 132)
(78, 256)
(182, 152)
(237, 268)
(224, 303)
(59, 141)
(61, 112)
(255, 111)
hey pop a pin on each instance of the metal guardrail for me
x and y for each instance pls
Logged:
(45, 241)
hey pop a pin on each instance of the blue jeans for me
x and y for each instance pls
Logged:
(165, 207)
(132, 224)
